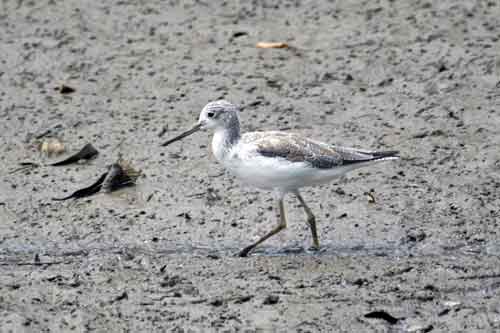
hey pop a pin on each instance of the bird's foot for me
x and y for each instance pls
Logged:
(244, 253)
(314, 247)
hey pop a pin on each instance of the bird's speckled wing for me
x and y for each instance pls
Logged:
(296, 148)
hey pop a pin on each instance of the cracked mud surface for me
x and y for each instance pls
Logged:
(418, 76)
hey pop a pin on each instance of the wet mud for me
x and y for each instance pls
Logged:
(407, 246)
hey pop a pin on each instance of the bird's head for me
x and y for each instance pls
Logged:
(215, 115)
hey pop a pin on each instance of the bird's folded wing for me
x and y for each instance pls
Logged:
(295, 148)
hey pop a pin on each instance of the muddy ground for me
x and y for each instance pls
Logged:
(418, 76)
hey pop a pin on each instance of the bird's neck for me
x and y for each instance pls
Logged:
(225, 138)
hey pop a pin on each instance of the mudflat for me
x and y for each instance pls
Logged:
(410, 245)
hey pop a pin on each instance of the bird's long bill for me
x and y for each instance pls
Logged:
(195, 128)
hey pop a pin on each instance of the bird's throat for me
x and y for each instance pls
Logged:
(224, 140)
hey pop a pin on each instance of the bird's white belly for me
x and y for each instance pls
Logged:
(278, 173)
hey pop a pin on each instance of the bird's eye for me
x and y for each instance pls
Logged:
(210, 114)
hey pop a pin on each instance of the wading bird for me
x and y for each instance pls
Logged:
(278, 161)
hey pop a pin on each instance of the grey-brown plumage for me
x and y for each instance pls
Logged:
(295, 148)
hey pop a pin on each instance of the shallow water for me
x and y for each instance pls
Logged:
(11, 252)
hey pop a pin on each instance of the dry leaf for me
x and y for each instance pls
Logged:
(121, 174)
(86, 153)
(271, 45)
(86, 191)
(129, 170)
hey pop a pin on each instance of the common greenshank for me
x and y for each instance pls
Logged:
(278, 161)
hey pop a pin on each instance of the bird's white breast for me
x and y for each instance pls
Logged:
(218, 145)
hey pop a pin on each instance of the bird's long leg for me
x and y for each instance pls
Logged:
(311, 220)
(278, 228)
